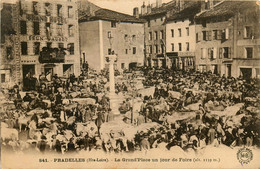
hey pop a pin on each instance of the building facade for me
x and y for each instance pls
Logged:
(155, 32)
(227, 37)
(109, 32)
(181, 37)
(46, 39)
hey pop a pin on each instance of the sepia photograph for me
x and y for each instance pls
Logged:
(130, 84)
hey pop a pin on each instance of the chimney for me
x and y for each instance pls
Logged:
(149, 9)
(136, 12)
(181, 4)
(203, 5)
(158, 3)
(143, 9)
(207, 4)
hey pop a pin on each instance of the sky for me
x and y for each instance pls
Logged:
(124, 6)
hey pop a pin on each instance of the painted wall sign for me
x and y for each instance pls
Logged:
(46, 38)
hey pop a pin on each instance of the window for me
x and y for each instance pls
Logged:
(208, 35)
(36, 48)
(122, 65)
(172, 32)
(172, 46)
(49, 44)
(156, 48)
(24, 48)
(2, 78)
(23, 27)
(109, 34)
(133, 38)
(150, 36)
(203, 53)
(35, 8)
(249, 52)
(109, 51)
(125, 37)
(161, 36)
(226, 52)
(70, 12)
(248, 32)
(71, 48)
(47, 9)
(59, 30)
(59, 10)
(212, 53)
(219, 34)
(150, 49)
(70, 29)
(9, 52)
(61, 45)
(126, 51)
(148, 23)
(36, 28)
(188, 31)
(48, 29)
(155, 35)
(162, 48)
(180, 47)
(113, 24)
(134, 50)
(179, 30)
(187, 46)
(215, 34)
(204, 34)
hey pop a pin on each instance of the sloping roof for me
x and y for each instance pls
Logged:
(190, 10)
(163, 9)
(86, 8)
(226, 9)
(106, 14)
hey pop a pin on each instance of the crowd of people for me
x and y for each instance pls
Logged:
(187, 109)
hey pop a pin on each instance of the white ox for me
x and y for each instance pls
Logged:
(8, 133)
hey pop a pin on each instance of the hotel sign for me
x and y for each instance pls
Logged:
(46, 38)
(39, 18)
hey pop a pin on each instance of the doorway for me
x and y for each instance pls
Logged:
(246, 72)
(28, 72)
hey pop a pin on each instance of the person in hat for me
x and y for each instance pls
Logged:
(42, 145)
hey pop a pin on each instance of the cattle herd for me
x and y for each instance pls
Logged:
(159, 109)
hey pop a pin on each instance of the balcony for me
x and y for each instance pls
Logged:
(52, 55)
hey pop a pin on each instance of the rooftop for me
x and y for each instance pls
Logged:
(190, 10)
(166, 7)
(106, 14)
(226, 9)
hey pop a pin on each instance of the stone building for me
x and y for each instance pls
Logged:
(228, 39)
(108, 32)
(181, 36)
(45, 39)
(155, 31)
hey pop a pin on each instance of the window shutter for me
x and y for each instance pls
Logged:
(210, 35)
(215, 53)
(220, 53)
(219, 34)
(229, 52)
(209, 51)
(227, 33)
(199, 36)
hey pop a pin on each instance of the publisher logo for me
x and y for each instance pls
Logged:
(244, 155)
